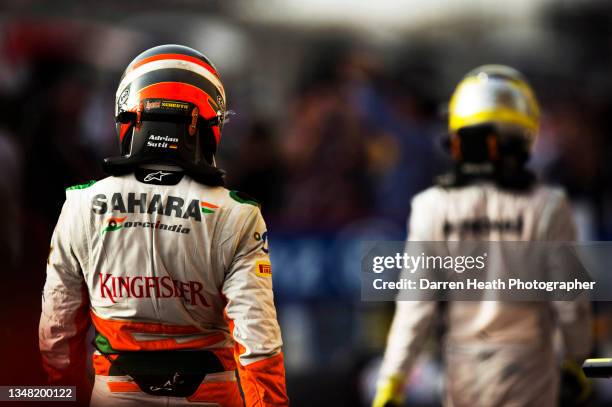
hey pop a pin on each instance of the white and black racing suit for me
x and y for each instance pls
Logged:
(496, 354)
(160, 263)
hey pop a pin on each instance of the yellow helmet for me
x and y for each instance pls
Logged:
(498, 95)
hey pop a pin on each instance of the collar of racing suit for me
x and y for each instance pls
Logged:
(203, 174)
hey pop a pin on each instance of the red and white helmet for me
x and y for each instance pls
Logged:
(170, 108)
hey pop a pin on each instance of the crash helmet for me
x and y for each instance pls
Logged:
(492, 112)
(170, 108)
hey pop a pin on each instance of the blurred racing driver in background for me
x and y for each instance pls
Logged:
(496, 354)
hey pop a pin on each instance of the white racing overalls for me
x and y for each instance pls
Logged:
(496, 354)
(180, 267)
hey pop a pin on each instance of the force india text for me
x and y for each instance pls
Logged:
(474, 284)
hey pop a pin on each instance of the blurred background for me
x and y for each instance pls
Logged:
(339, 121)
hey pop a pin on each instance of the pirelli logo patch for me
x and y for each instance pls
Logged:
(263, 269)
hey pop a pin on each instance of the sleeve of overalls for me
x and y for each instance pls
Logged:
(251, 314)
(411, 322)
(64, 319)
(574, 318)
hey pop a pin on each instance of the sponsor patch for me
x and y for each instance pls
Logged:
(152, 105)
(116, 288)
(134, 203)
(113, 224)
(263, 269)
(481, 226)
(172, 104)
(263, 238)
(156, 176)
(162, 106)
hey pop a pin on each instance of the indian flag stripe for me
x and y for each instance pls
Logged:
(209, 205)
(206, 210)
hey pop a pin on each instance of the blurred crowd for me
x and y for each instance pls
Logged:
(332, 133)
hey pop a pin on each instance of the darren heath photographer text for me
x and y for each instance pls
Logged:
(459, 264)
(474, 284)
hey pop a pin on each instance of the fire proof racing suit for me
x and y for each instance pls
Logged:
(496, 354)
(176, 279)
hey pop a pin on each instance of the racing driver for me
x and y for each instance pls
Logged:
(171, 268)
(496, 354)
